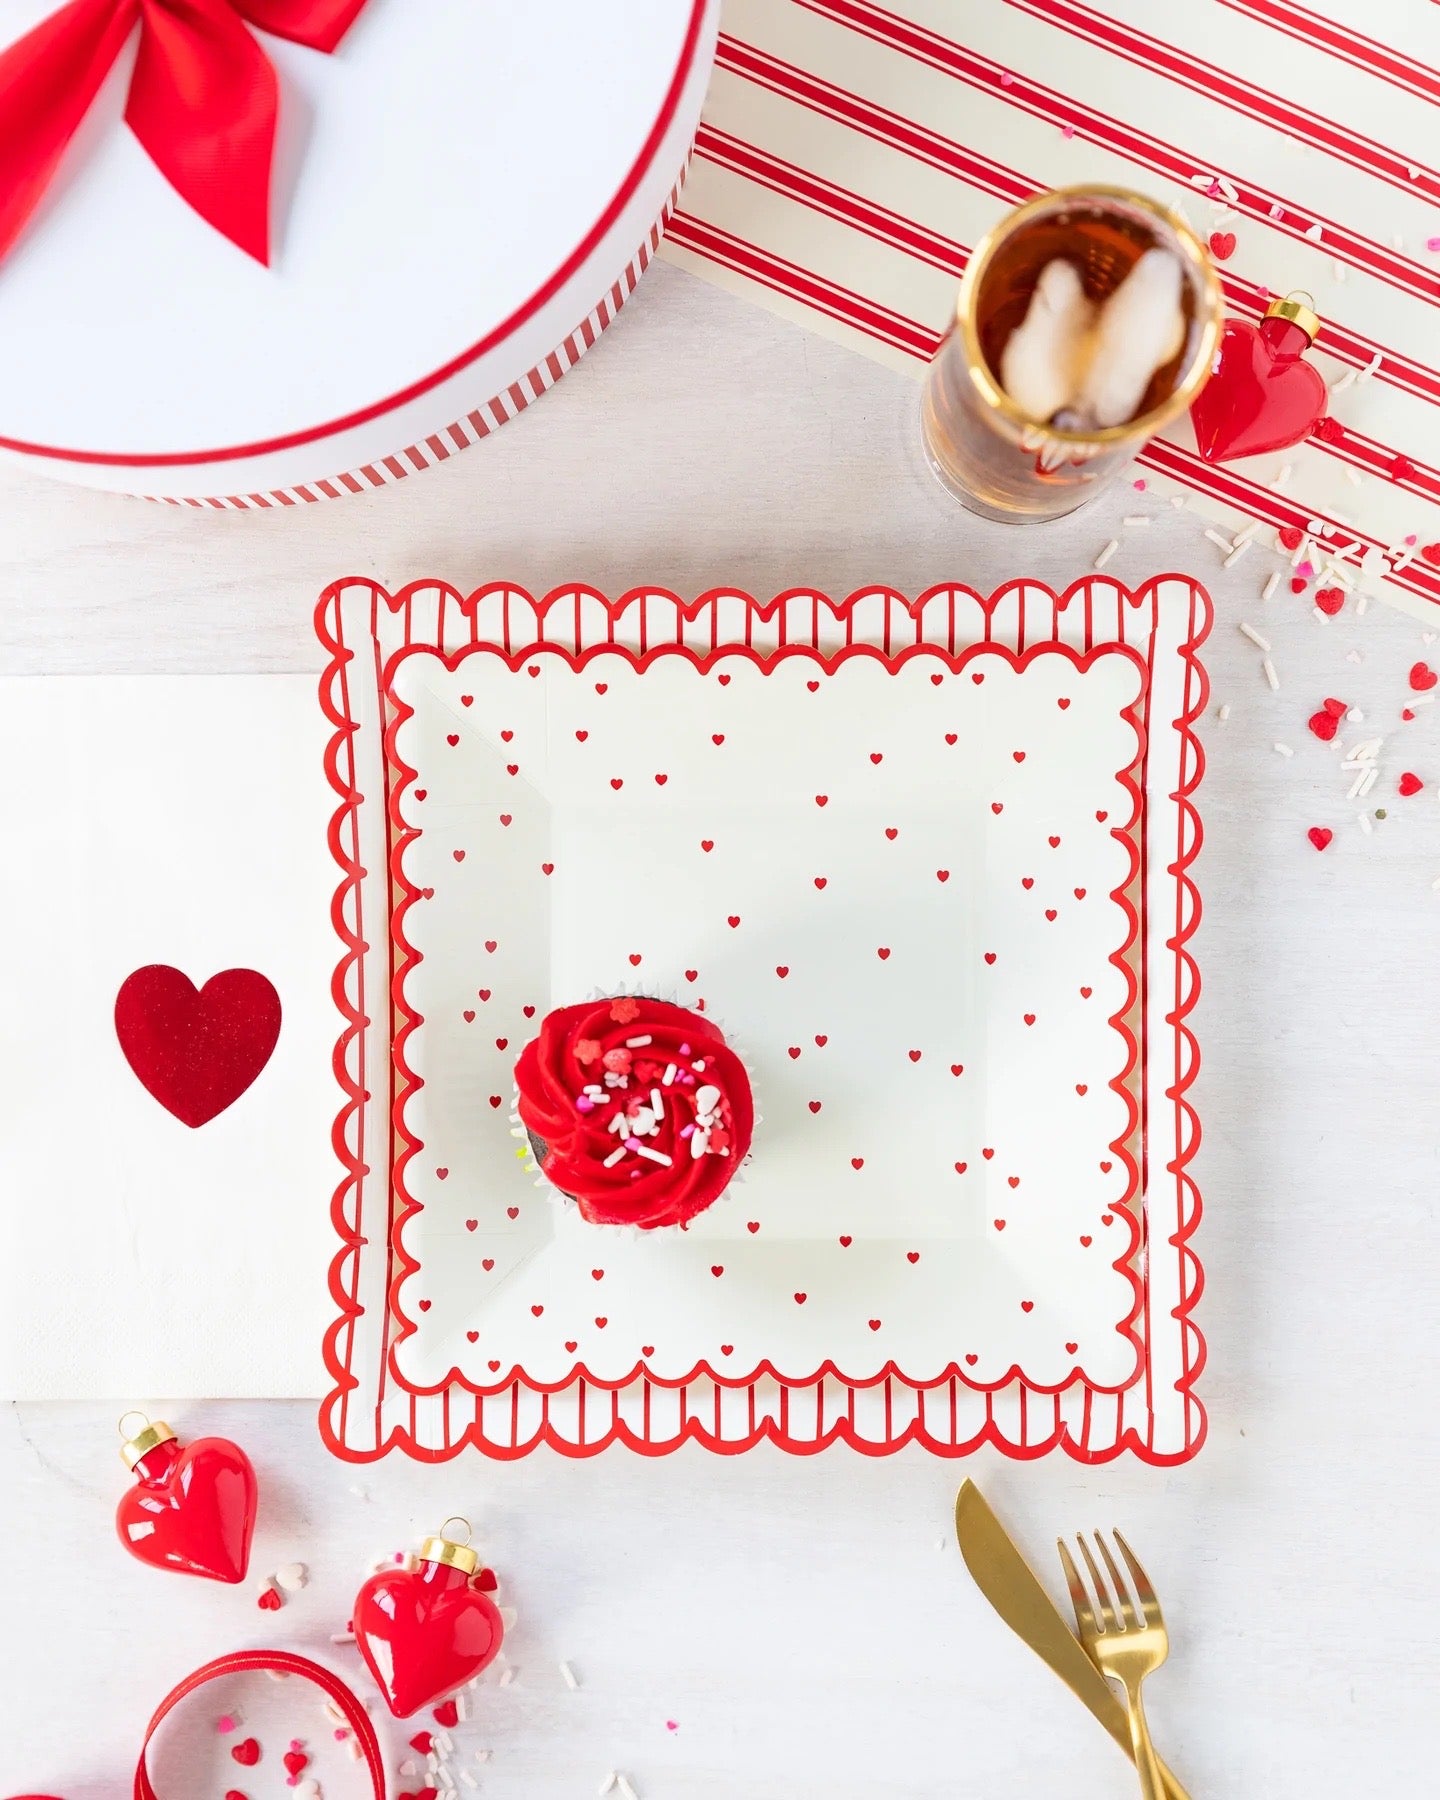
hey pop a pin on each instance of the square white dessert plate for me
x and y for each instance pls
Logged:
(925, 865)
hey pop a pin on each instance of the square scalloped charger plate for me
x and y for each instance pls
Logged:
(925, 864)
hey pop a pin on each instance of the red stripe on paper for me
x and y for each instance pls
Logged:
(1241, 96)
(1009, 185)
(1109, 133)
(1339, 41)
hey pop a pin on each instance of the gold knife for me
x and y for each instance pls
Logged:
(1010, 1585)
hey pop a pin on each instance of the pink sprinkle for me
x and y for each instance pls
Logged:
(687, 1131)
(685, 1048)
(632, 1143)
(1277, 211)
(1006, 80)
(1067, 131)
(341, 1734)
(1305, 569)
(1412, 539)
(225, 1724)
(1213, 191)
(1139, 486)
(399, 1556)
(584, 1104)
(1432, 244)
(672, 1724)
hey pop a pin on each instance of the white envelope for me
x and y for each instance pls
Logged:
(175, 820)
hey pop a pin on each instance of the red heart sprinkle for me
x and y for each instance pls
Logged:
(1290, 536)
(1324, 725)
(447, 1715)
(815, 1106)
(793, 1051)
(512, 1212)
(912, 1256)
(1027, 1306)
(1431, 553)
(752, 1226)
(892, 832)
(822, 1039)
(717, 1270)
(1297, 584)
(942, 874)
(246, 1753)
(452, 738)
(971, 1358)
(782, 970)
(1410, 784)
(1423, 677)
(692, 974)
(999, 1224)
(883, 954)
(1330, 600)
(634, 959)
(473, 1336)
(800, 1299)
(990, 956)
(270, 1600)
(822, 799)
(957, 1068)
(1222, 245)
(875, 1324)
(914, 1056)
(877, 756)
(295, 1762)
(960, 1168)
(820, 880)
(422, 1742)
(1320, 836)
(733, 919)
(1337, 707)
(997, 807)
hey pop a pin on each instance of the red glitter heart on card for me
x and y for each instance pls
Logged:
(196, 1050)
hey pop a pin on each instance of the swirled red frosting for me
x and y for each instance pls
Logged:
(638, 1110)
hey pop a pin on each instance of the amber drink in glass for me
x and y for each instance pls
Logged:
(988, 444)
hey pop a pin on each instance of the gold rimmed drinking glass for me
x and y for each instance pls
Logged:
(979, 442)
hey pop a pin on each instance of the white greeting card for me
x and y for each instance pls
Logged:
(180, 822)
(923, 862)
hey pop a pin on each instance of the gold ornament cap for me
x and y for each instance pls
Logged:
(138, 1446)
(1297, 312)
(445, 1550)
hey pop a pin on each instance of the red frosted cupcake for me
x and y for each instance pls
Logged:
(637, 1110)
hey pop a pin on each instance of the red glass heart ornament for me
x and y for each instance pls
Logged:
(424, 1633)
(1262, 395)
(196, 1049)
(192, 1508)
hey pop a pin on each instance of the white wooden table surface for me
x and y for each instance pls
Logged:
(806, 1625)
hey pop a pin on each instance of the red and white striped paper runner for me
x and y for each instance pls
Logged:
(851, 153)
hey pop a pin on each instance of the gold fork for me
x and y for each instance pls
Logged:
(1126, 1642)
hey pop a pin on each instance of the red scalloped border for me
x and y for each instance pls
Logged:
(693, 1429)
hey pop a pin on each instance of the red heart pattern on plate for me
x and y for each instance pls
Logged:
(641, 961)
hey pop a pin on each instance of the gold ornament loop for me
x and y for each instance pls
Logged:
(446, 1551)
(134, 1413)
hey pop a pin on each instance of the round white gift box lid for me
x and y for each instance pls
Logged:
(465, 191)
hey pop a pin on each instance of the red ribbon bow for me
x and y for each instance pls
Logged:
(203, 99)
